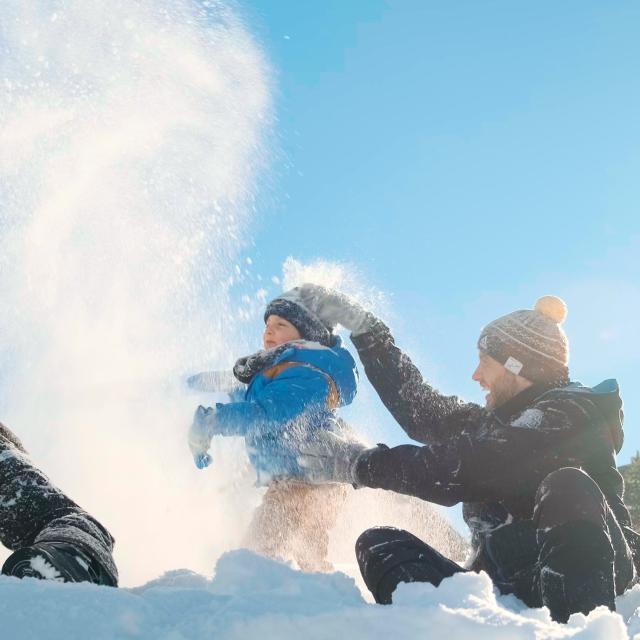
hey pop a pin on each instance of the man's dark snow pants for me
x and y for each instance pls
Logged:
(571, 556)
(34, 511)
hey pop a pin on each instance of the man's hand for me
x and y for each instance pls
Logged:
(333, 307)
(200, 434)
(326, 457)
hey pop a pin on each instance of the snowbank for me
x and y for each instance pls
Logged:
(253, 597)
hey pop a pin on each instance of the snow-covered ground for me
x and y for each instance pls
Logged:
(253, 597)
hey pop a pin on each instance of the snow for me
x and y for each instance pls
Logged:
(120, 226)
(529, 419)
(45, 569)
(254, 597)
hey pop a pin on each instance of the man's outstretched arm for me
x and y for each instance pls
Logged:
(498, 461)
(424, 413)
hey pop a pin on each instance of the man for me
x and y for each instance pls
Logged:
(535, 468)
(51, 536)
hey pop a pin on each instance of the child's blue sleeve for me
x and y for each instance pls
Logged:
(291, 393)
(237, 395)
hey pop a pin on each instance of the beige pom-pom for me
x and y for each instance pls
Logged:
(552, 307)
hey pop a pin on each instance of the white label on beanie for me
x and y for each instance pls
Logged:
(513, 365)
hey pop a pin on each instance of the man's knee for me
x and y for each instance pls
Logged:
(567, 495)
(568, 481)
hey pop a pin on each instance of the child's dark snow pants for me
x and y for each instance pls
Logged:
(34, 511)
(571, 556)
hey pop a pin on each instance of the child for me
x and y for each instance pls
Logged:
(294, 386)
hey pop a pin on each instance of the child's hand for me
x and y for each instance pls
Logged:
(200, 434)
(202, 460)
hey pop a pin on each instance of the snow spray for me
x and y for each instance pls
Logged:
(131, 138)
(131, 135)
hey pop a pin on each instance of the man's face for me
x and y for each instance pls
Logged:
(502, 385)
(277, 331)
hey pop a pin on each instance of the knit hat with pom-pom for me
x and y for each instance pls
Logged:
(531, 342)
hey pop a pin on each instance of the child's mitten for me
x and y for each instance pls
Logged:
(200, 434)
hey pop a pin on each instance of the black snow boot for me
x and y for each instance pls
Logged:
(57, 561)
(388, 556)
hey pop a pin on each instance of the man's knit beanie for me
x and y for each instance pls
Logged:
(530, 342)
(290, 307)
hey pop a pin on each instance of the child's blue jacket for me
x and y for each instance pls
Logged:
(297, 393)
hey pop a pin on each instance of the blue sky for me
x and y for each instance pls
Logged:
(466, 157)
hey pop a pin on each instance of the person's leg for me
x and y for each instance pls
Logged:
(293, 523)
(388, 556)
(266, 533)
(315, 509)
(52, 537)
(624, 568)
(509, 554)
(577, 562)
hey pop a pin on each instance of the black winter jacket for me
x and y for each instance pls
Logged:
(492, 460)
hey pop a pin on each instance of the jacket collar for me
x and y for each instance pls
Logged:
(519, 402)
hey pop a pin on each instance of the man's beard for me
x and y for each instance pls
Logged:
(503, 390)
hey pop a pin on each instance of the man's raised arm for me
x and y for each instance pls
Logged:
(425, 414)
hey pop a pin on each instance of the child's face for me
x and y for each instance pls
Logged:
(277, 331)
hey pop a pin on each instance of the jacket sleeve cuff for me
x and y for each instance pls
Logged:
(378, 333)
(360, 467)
